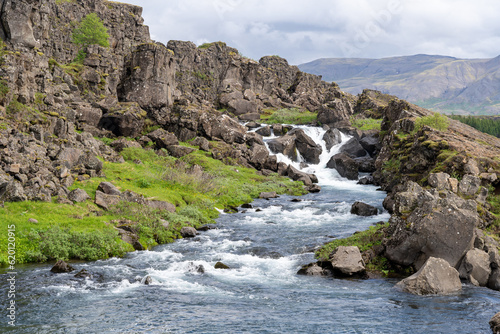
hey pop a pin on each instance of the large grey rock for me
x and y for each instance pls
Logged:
(437, 224)
(78, 195)
(439, 180)
(344, 165)
(69, 156)
(12, 191)
(353, 149)
(108, 188)
(371, 144)
(268, 195)
(179, 151)
(469, 185)
(264, 131)
(332, 137)
(163, 138)
(363, 209)
(436, 277)
(188, 232)
(475, 267)
(347, 260)
(296, 141)
(105, 201)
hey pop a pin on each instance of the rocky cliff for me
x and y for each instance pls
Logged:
(52, 108)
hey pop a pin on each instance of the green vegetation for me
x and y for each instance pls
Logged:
(487, 125)
(366, 123)
(90, 31)
(435, 121)
(84, 231)
(288, 116)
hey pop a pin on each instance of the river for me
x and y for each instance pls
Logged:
(260, 293)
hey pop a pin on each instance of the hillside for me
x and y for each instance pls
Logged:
(440, 83)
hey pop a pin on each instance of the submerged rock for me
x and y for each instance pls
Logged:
(436, 277)
(220, 265)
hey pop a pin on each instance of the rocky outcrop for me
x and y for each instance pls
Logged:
(430, 223)
(436, 277)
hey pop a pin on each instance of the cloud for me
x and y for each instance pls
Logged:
(302, 31)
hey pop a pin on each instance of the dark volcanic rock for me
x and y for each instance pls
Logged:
(353, 149)
(332, 137)
(344, 165)
(363, 209)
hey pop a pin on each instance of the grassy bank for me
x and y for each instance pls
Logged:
(85, 231)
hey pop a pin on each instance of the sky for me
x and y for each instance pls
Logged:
(302, 31)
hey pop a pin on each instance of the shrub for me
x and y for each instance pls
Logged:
(90, 31)
(435, 121)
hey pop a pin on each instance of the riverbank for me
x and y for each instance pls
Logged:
(197, 185)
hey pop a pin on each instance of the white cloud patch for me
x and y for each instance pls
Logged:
(302, 31)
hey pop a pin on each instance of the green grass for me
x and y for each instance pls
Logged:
(83, 231)
(435, 121)
(288, 116)
(365, 124)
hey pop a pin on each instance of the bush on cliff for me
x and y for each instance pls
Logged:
(90, 31)
(435, 121)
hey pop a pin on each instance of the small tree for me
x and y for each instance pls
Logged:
(90, 31)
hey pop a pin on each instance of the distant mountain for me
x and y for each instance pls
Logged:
(445, 84)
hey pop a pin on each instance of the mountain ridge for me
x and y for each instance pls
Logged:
(440, 83)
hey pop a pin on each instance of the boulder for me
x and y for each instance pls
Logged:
(12, 192)
(469, 185)
(436, 277)
(332, 137)
(163, 138)
(297, 175)
(108, 188)
(258, 156)
(347, 261)
(344, 165)
(284, 145)
(268, 195)
(264, 131)
(61, 267)
(495, 323)
(353, 149)
(314, 188)
(202, 143)
(105, 201)
(78, 195)
(69, 156)
(371, 144)
(494, 280)
(179, 151)
(363, 209)
(435, 224)
(309, 150)
(312, 269)
(161, 205)
(475, 267)
(188, 232)
(439, 180)
(220, 265)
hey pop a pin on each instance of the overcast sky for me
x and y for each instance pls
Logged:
(302, 31)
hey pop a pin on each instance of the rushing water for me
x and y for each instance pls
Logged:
(261, 293)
